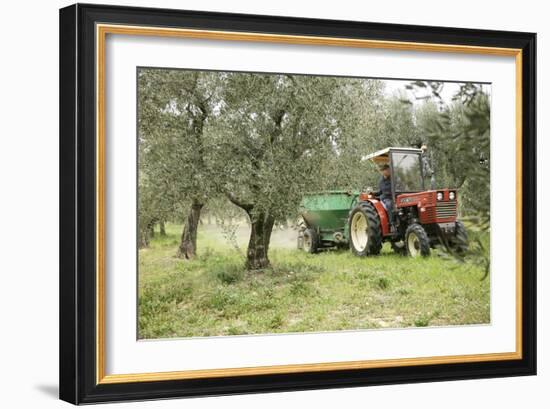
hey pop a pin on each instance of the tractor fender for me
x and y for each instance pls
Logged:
(382, 214)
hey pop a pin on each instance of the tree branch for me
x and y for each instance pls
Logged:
(247, 207)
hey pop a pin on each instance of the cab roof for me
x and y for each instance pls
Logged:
(383, 156)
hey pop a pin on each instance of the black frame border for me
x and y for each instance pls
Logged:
(77, 252)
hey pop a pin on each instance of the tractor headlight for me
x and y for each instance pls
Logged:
(452, 195)
(439, 196)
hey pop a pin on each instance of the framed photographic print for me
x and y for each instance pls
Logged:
(257, 203)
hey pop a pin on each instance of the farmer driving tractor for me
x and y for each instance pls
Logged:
(385, 193)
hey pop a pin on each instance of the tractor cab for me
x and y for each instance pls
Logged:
(406, 166)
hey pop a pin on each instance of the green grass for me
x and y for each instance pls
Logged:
(329, 291)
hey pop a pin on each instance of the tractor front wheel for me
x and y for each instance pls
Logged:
(417, 241)
(310, 241)
(365, 233)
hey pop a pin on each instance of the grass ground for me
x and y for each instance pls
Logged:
(329, 291)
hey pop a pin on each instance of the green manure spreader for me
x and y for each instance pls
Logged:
(325, 216)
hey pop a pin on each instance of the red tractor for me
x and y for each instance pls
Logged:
(422, 218)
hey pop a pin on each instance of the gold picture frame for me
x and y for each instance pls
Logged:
(103, 30)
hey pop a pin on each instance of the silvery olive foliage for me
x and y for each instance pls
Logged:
(278, 137)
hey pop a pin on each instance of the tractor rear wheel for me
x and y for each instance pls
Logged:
(365, 232)
(459, 242)
(417, 241)
(311, 241)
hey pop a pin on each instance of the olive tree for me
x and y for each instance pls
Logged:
(274, 137)
(175, 108)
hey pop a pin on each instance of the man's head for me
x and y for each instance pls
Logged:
(385, 170)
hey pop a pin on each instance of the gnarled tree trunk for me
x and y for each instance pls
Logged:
(261, 226)
(146, 233)
(188, 244)
(162, 228)
(258, 244)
